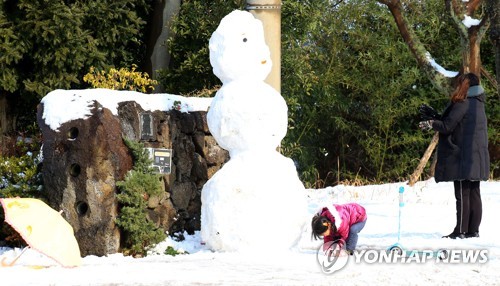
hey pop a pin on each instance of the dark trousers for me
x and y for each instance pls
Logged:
(469, 206)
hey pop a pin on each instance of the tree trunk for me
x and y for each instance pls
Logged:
(160, 22)
(7, 125)
(7, 122)
(470, 36)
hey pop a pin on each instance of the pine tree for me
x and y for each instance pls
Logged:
(52, 44)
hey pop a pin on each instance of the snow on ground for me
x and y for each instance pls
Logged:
(428, 213)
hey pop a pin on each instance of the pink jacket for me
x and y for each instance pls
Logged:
(343, 216)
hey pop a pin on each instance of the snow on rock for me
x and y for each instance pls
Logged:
(256, 201)
(61, 106)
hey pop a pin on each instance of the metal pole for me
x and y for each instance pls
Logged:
(269, 12)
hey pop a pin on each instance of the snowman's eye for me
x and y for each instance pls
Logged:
(245, 40)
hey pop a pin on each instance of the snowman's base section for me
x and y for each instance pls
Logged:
(255, 202)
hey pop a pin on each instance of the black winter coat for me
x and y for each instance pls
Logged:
(462, 152)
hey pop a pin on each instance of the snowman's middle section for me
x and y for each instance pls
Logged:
(248, 116)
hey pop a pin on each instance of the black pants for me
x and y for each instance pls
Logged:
(469, 206)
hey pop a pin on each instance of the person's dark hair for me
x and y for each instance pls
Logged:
(319, 225)
(464, 81)
(473, 79)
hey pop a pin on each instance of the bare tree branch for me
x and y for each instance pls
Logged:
(420, 168)
(417, 48)
(490, 78)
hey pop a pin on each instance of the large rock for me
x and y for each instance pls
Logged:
(82, 162)
(85, 158)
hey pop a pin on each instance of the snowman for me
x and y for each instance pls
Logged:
(256, 200)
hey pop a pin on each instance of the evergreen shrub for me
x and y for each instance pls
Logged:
(138, 231)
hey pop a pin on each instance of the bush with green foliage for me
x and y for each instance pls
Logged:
(189, 69)
(173, 252)
(20, 172)
(20, 176)
(350, 82)
(355, 118)
(140, 183)
(52, 44)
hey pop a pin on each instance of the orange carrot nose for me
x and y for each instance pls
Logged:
(263, 62)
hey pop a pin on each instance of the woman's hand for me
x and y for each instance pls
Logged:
(426, 125)
(428, 113)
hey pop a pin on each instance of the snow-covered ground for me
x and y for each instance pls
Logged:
(428, 213)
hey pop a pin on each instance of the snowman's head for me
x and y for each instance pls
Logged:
(238, 49)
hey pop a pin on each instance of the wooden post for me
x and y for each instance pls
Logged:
(418, 171)
(269, 12)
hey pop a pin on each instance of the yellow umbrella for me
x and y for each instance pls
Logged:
(44, 229)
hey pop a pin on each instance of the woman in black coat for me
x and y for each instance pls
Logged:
(462, 153)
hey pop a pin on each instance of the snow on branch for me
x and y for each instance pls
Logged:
(469, 21)
(439, 68)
